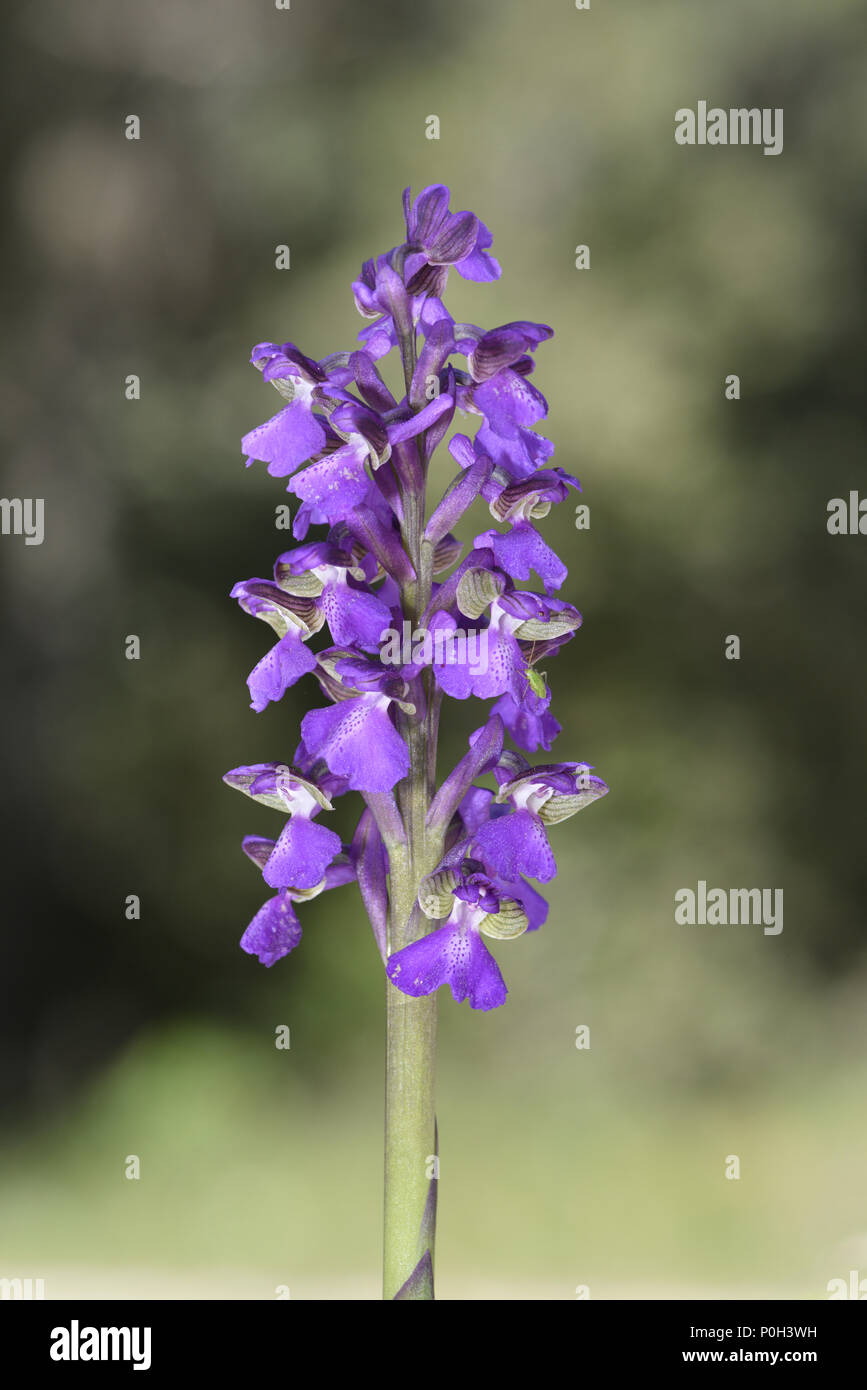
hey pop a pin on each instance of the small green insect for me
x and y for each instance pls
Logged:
(536, 681)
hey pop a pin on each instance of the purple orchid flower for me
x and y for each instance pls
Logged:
(338, 481)
(513, 459)
(275, 929)
(273, 932)
(441, 238)
(357, 737)
(517, 843)
(382, 295)
(455, 953)
(294, 619)
(391, 615)
(301, 855)
(493, 661)
(529, 720)
(297, 432)
(354, 615)
(522, 550)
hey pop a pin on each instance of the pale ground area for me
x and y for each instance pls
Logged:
(251, 1179)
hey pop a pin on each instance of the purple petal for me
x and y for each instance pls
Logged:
(492, 665)
(339, 873)
(370, 383)
(509, 402)
(520, 455)
(354, 616)
(546, 484)
(501, 347)
(521, 550)
(285, 441)
(257, 848)
(494, 351)
(379, 338)
(453, 955)
(303, 558)
(301, 855)
(475, 808)
(516, 844)
(335, 484)
(273, 932)
(351, 418)
(478, 265)
(427, 214)
(283, 665)
(455, 239)
(285, 360)
(358, 741)
(528, 720)
(431, 311)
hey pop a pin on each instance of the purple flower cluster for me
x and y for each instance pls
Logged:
(357, 458)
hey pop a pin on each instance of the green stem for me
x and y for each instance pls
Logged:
(410, 1143)
(411, 1024)
(410, 1121)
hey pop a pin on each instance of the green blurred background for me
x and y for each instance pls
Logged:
(603, 1167)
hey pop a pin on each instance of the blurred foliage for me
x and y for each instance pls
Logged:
(156, 257)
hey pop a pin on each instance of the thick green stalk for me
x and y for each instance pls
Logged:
(410, 1123)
